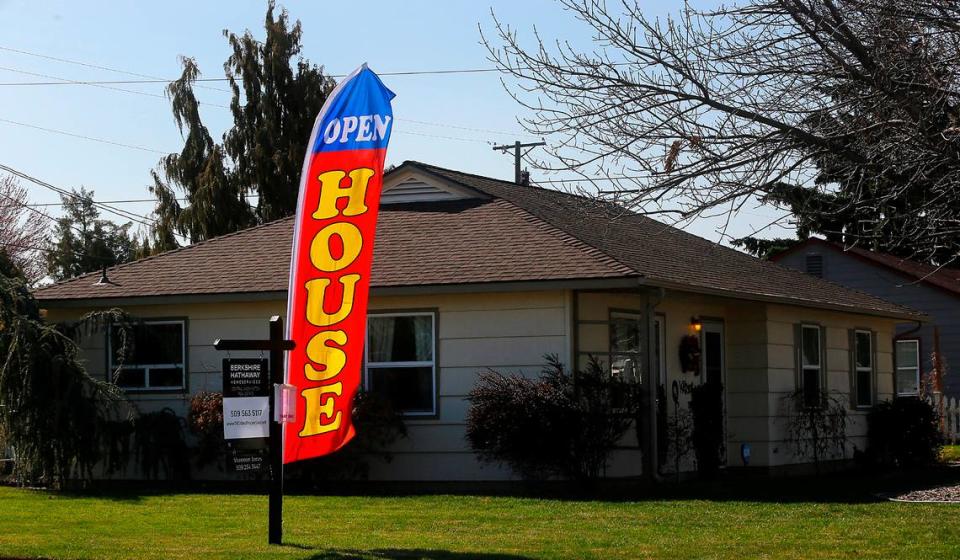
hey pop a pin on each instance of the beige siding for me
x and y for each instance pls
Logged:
(509, 332)
(837, 327)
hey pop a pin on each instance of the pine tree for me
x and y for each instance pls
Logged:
(83, 242)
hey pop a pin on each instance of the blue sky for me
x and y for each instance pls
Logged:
(472, 111)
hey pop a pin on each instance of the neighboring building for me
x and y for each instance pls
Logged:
(473, 273)
(931, 290)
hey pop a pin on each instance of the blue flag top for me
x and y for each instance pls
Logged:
(356, 116)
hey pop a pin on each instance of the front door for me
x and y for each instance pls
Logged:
(714, 360)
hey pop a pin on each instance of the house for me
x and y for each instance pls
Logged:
(932, 290)
(472, 273)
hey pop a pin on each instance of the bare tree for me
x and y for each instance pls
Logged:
(843, 112)
(23, 230)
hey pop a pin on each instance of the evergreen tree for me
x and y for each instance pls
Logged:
(82, 242)
(275, 96)
(60, 421)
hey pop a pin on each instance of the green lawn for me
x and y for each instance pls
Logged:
(719, 523)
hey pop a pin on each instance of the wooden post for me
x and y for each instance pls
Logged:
(276, 345)
(275, 524)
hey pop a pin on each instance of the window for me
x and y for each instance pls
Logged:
(401, 361)
(814, 265)
(811, 364)
(908, 367)
(863, 368)
(625, 355)
(152, 358)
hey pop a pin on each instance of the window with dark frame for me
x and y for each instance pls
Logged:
(863, 369)
(908, 367)
(149, 355)
(625, 345)
(811, 364)
(401, 360)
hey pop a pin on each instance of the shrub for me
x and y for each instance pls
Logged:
(564, 423)
(205, 421)
(905, 432)
(159, 445)
(817, 432)
(378, 424)
(706, 407)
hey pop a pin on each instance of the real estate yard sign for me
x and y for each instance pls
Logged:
(331, 259)
(246, 413)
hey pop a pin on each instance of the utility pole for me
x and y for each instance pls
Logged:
(518, 156)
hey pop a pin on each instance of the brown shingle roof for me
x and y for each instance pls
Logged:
(514, 234)
(944, 278)
(435, 243)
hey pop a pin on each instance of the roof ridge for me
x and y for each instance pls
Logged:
(591, 247)
(164, 254)
(512, 184)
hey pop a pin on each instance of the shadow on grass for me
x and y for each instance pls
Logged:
(416, 553)
(848, 487)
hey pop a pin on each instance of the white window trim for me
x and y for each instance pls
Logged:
(858, 369)
(432, 364)
(915, 371)
(819, 367)
(147, 367)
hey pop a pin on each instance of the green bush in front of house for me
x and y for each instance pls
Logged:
(566, 423)
(905, 432)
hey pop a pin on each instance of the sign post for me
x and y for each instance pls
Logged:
(276, 345)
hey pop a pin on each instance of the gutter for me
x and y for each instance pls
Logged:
(917, 316)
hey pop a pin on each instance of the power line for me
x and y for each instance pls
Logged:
(97, 66)
(486, 130)
(155, 79)
(167, 81)
(143, 220)
(76, 82)
(84, 137)
(592, 179)
(95, 84)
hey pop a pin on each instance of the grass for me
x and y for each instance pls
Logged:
(811, 518)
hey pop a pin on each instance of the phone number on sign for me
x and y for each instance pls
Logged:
(245, 412)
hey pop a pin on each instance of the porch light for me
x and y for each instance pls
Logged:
(695, 324)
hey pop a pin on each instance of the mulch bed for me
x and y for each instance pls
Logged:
(942, 494)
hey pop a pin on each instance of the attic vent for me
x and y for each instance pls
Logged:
(415, 191)
(814, 265)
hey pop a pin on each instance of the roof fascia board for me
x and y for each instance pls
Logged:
(784, 301)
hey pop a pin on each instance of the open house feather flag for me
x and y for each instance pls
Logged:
(330, 264)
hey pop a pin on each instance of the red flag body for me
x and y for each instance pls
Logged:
(331, 261)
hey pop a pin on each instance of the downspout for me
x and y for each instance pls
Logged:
(652, 460)
(903, 335)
